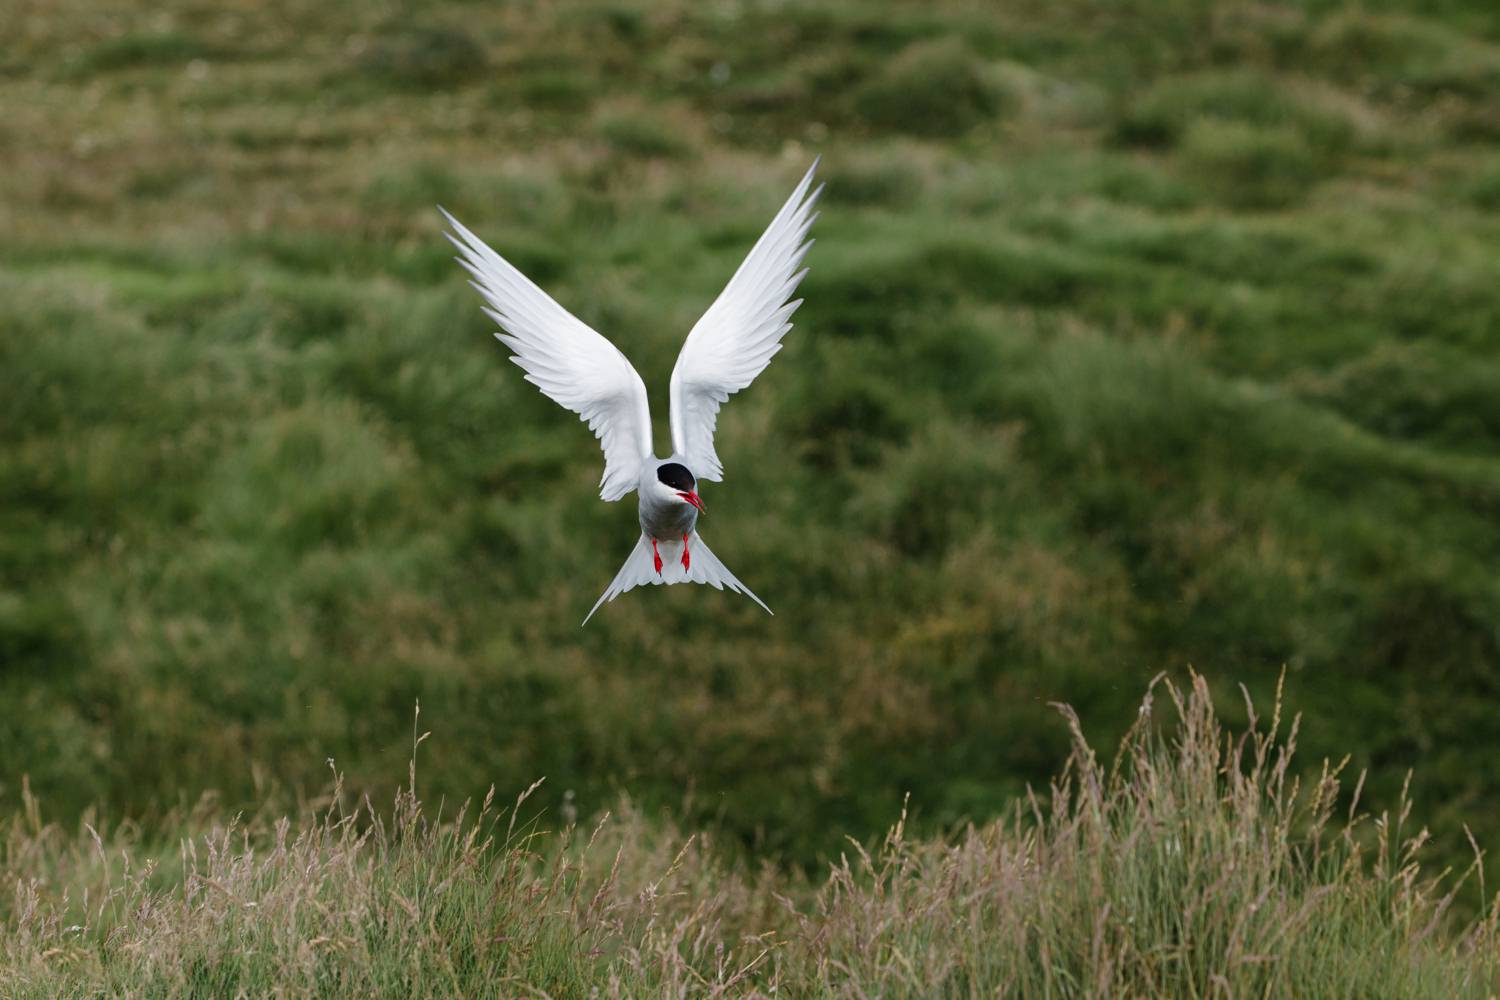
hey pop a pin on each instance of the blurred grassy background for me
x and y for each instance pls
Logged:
(1139, 334)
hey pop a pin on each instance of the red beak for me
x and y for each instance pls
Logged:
(692, 498)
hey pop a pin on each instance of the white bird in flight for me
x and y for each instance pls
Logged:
(575, 366)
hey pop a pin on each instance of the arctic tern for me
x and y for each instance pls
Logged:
(575, 366)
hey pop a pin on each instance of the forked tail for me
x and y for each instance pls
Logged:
(702, 567)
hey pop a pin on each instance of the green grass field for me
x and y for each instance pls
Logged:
(1138, 336)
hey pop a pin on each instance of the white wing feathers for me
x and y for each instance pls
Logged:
(567, 360)
(639, 571)
(740, 333)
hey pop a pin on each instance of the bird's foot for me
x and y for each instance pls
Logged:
(687, 562)
(657, 556)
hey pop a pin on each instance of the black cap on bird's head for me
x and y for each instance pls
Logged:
(677, 477)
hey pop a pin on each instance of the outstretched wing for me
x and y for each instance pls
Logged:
(566, 359)
(735, 340)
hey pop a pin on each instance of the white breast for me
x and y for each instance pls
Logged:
(666, 519)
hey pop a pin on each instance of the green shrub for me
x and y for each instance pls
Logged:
(1483, 188)
(640, 135)
(413, 185)
(1363, 45)
(1167, 111)
(932, 89)
(1246, 166)
(1419, 391)
(424, 58)
(143, 49)
(888, 182)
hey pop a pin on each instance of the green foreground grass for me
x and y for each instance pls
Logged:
(1138, 334)
(1193, 865)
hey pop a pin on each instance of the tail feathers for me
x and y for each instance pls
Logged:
(704, 567)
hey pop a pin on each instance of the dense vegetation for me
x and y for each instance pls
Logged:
(1193, 865)
(1138, 335)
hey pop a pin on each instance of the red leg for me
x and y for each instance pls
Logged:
(657, 556)
(687, 562)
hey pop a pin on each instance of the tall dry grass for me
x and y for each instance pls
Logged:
(1192, 864)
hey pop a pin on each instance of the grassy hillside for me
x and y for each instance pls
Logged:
(1138, 335)
(1193, 865)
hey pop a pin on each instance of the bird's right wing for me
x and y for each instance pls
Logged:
(566, 359)
(736, 338)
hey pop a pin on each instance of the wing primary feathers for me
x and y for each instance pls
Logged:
(739, 334)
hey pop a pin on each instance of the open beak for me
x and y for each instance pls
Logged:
(692, 498)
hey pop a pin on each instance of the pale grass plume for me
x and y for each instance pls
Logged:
(1195, 862)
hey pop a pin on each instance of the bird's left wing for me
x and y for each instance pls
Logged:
(735, 340)
(566, 359)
